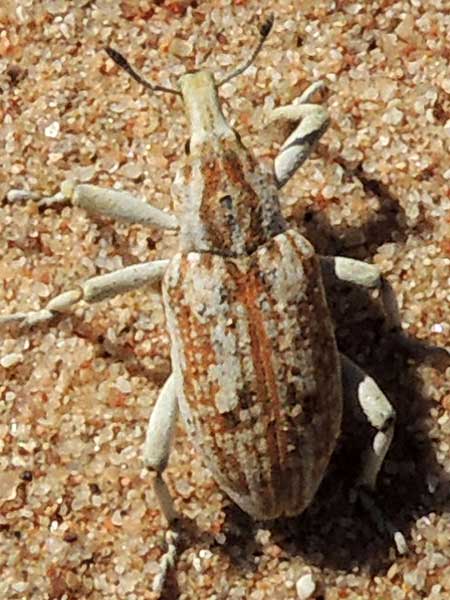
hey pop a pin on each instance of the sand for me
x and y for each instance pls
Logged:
(78, 516)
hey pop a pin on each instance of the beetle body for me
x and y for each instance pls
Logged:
(254, 357)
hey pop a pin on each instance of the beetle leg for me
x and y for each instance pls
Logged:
(310, 122)
(157, 445)
(358, 272)
(367, 275)
(378, 411)
(118, 205)
(158, 442)
(93, 290)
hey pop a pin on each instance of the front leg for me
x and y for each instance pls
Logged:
(117, 205)
(310, 122)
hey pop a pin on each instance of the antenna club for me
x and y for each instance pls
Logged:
(122, 62)
(264, 31)
(266, 27)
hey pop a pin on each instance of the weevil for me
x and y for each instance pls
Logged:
(256, 372)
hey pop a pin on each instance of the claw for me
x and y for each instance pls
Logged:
(167, 561)
(27, 319)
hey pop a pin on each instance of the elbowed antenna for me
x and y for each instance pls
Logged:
(122, 62)
(264, 31)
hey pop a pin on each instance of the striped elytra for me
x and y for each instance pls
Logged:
(257, 370)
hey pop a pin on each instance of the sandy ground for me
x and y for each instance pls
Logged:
(78, 517)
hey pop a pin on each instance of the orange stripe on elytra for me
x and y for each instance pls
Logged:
(200, 392)
(248, 290)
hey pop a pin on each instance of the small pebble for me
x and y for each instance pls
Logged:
(400, 542)
(52, 130)
(180, 48)
(20, 195)
(11, 360)
(132, 170)
(305, 586)
(123, 385)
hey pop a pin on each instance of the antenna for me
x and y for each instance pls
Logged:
(264, 31)
(122, 62)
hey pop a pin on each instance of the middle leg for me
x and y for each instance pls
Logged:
(357, 272)
(93, 290)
